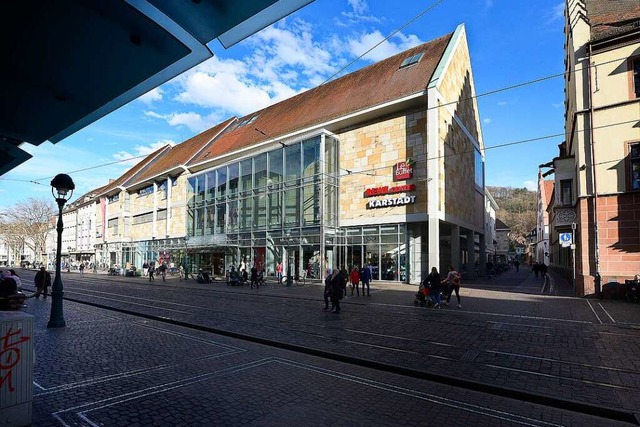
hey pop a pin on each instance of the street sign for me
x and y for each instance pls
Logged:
(566, 239)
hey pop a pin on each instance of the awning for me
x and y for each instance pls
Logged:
(67, 63)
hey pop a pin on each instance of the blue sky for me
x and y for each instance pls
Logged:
(511, 42)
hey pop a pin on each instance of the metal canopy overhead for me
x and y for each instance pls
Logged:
(67, 63)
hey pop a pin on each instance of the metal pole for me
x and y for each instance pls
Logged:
(56, 320)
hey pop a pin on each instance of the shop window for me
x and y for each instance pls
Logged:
(634, 166)
(566, 197)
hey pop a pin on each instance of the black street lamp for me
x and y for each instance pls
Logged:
(63, 186)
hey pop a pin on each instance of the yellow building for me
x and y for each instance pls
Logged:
(597, 172)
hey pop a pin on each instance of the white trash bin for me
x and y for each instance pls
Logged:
(16, 368)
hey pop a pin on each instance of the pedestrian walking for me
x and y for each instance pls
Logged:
(344, 274)
(145, 269)
(279, 272)
(81, 268)
(254, 277)
(516, 263)
(337, 290)
(433, 282)
(355, 280)
(327, 292)
(42, 282)
(365, 278)
(163, 270)
(151, 271)
(453, 284)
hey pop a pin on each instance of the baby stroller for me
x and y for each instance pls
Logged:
(422, 297)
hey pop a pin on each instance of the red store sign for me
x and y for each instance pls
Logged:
(402, 171)
(381, 191)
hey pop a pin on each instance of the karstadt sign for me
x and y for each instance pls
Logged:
(387, 203)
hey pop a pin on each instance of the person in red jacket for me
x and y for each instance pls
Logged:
(355, 280)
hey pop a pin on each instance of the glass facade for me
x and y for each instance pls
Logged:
(282, 206)
(269, 208)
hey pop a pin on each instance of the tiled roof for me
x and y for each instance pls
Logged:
(610, 18)
(548, 191)
(180, 154)
(369, 87)
(126, 177)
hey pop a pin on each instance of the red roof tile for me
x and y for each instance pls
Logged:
(179, 154)
(369, 87)
(125, 178)
(612, 17)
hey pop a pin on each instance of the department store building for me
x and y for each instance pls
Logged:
(384, 166)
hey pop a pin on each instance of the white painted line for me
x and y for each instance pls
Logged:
(416, 394)
(594, 312)
(603, 309)
(515, 316)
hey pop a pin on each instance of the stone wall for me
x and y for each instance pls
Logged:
(369, 152)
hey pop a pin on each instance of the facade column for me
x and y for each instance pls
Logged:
(471, 251)
(455, 246)
(483, 256)
(168, 207)
(154, 230)
(433, 180)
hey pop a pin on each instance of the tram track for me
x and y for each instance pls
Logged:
(417, 347)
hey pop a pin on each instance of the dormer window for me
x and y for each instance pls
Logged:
(411, 60)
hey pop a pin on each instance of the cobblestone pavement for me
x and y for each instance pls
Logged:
(505, 358)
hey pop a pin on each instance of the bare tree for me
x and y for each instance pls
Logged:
(27, 224)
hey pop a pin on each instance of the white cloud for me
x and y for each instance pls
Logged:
(487, 121)
(151, 96)
(387, 48)
(531, 185)
(193, 121)
(283, 62)
(502, 103)
(358, 14)
(559, 105)
(131, 159)
(556, 13)
(359, 6)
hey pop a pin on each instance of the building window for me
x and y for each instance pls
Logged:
(634, 69)
(142, 218)
(114, 198)
(565, 192)
(479, 169)
(634, 165)
(144, 191)
(411, 60)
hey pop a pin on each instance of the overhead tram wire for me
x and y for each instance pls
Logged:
(506, 144)
(491, 92)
